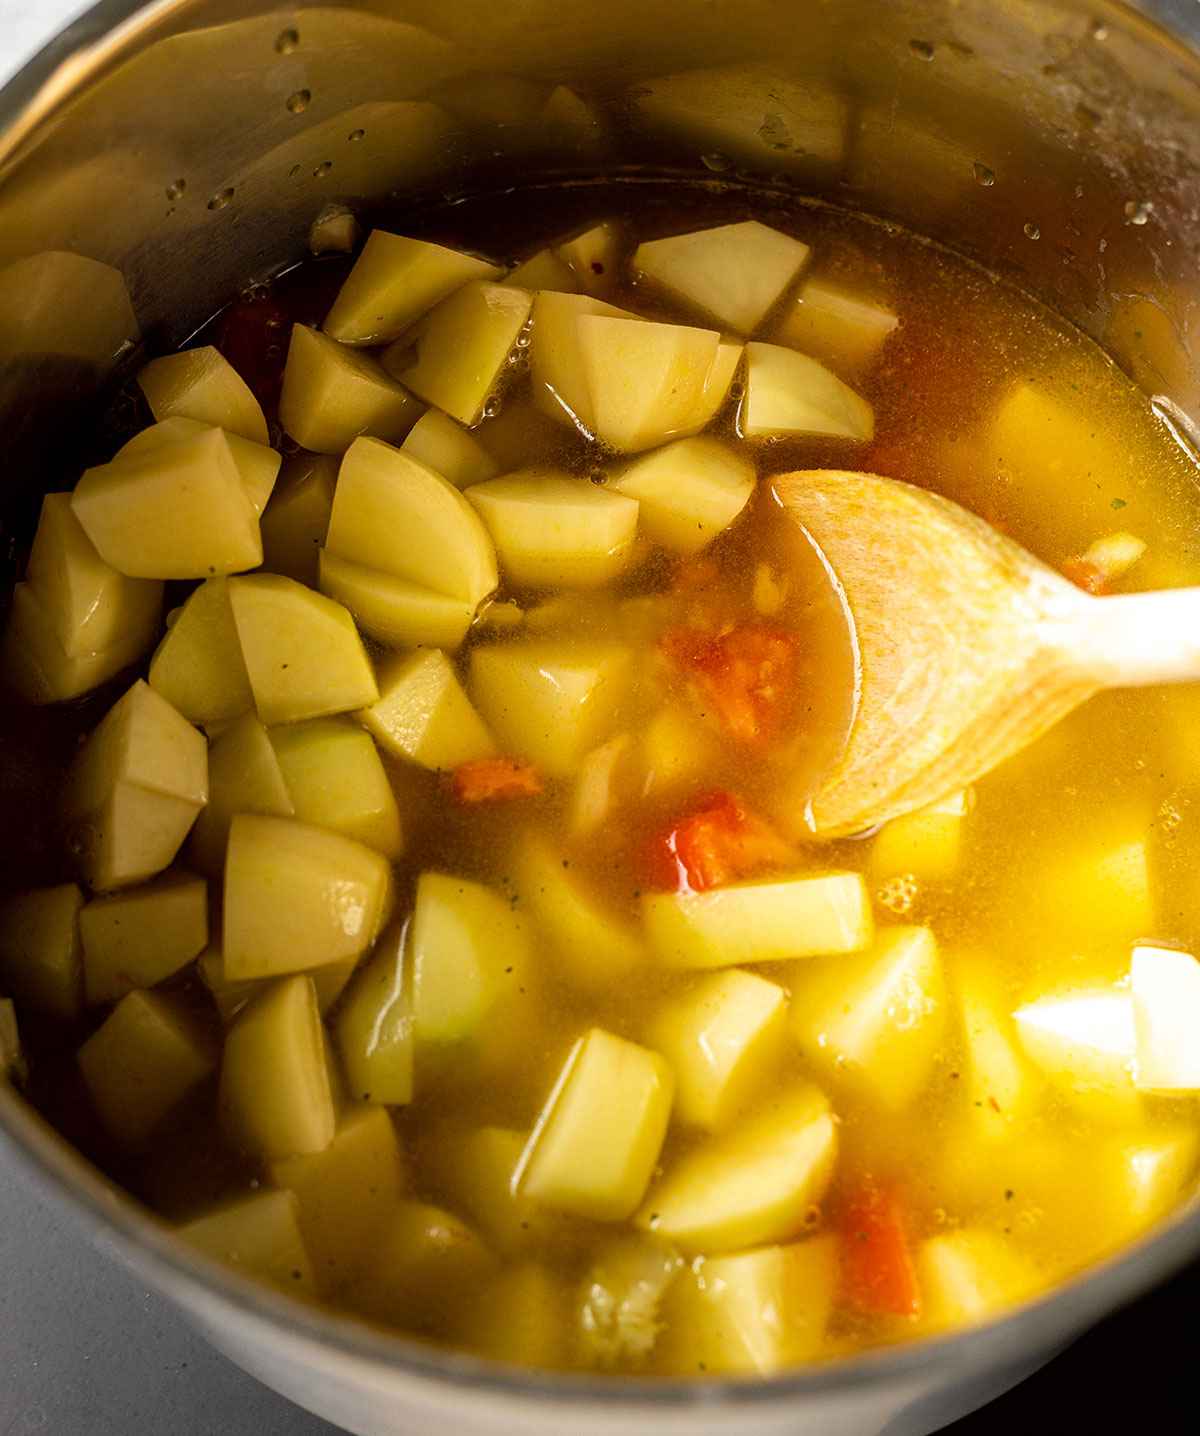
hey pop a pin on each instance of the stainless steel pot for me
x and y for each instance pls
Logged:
(156, 157)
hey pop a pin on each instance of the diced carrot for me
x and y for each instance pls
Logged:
(878, 1272)
(1086, 575)
(717, 841)
(745, 674)
(254, 338)
(491, 780)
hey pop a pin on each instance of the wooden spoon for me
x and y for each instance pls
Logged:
(967, 648)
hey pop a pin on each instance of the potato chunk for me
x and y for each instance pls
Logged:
(374, 1029)
(142, 936)
(734, 273)
(789, 393)
(423, 714)
(522, 1315)
(436, 441)
(593, 256)
(393, 610)
(1165, 986)
(298, 897)
(427, 1267)
(717, 385)
(462, 348)
(621, 1298)
(555, 531)
(689, 491)
(836, 326)
(560, 382)
(38, 667)
(244, 776)
(276, 1101)
(1084, 1040)
(177, 511)
(550, 701)
(395, 281)
(141, 1063)
(544, 270)
(198, 666)
(333, 394)
(593, 1149)
(335, 780)
(302, 652)
(751, 1186)
(260, 1234)
(295, 522)
(202, 384)
(760, 921)
(135, 789)
(971, 1275)
(40, 954)
(925, 843)
(257, 463)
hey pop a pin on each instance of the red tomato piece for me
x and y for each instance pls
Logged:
(745, 674)
(254, 336)
(714, 843)
(491, 780)
(878, 1272)
(1086, 575)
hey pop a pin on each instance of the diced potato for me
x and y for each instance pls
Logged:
(593, 1149)
(91, 607)
(752, 1185)
(759, 1311)
(689, 491)
(1085, 1043)
(244, 776)
(394, 514)
(374, 1029)
(346, 1194)
(334, 231)
(521, 1316)
(423, 714)
(260, 1234)
(436, 441)
(1165, 987)
(141, 1063)
(603, 781)
(877, 1020)
(298, 897)
(544, 270)
(1099, 891)
(1002, 1087)
(717, 385)
(395, 281)
(142, 936)
(302, 651)
(971, 1275)
(469, 948)
(555, 531)
(925, 843)
(593, 257)
(675, 750)
(198, 666)
(257, 463)
(40, 954)
(230, 997)
(276, 1100)
(724, 1038)
(560, 383)
(789, 393)
(549, 701)
(38, 667)
(735, 273)
(202, 384)
(1113, 555)
(835, 325)
(765, 921)
(12, 1058)
(645, 381)
(332, 394)
(135, 789)
(591, 946)
(500, 616)
(462, 348)
(572, 123)
(393, 610)
(335, 780)
(296, 520)
(177, 511)
(621, 1297)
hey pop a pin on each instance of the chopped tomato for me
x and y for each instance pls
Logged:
(253, 336)
(878, 1273)
(746, 674)
(491, 780)
(714, 843)
(1086, 575)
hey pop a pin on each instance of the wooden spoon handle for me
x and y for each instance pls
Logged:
(1133, 640)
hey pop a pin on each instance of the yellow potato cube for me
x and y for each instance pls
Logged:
(177, 511)
(334, 231)
(298, 897)
(789, 393)
(767, 921)
(555, 531)
(202, 384)
(395, 281)
(40, 954)
(1084, 1041)
(621, 1297)
(1097, 892)
(521, 1316)
(462, 348)
(436, 441)
(836, 326)
(374, 1029)
(734, 273)
(689, 491)
(275, 1099)
(140, 937)
(393, 610)
(1001, 1087)
(675, 750)
(752, 1185)
(424, 715)
(593, 257)
(230, 997)
(393, 514)
(550, 701)
(604, 781)
(141, 1063)
(244, 776)
(335, 780)
(332, 394)
(593, 1148)
(38, 667)
(560, 383)
(346, 1194)
(198, 666)
(971, 1275)
(302, 651)
(295, 522)
(717, 385)
(925, 843)
(1165, 987)
(544, 270)
(724, 1038)
(261, 1235)
(257, 463)
(135, 789)
(877, 1020)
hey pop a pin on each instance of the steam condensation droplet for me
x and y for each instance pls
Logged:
(922, 49)
(1138, 211)
(220, 199)
(176, 189)
(1031, 230)
(716, 161)
(322, 169)
(297, 102)
(286, 41)
(984, 175)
